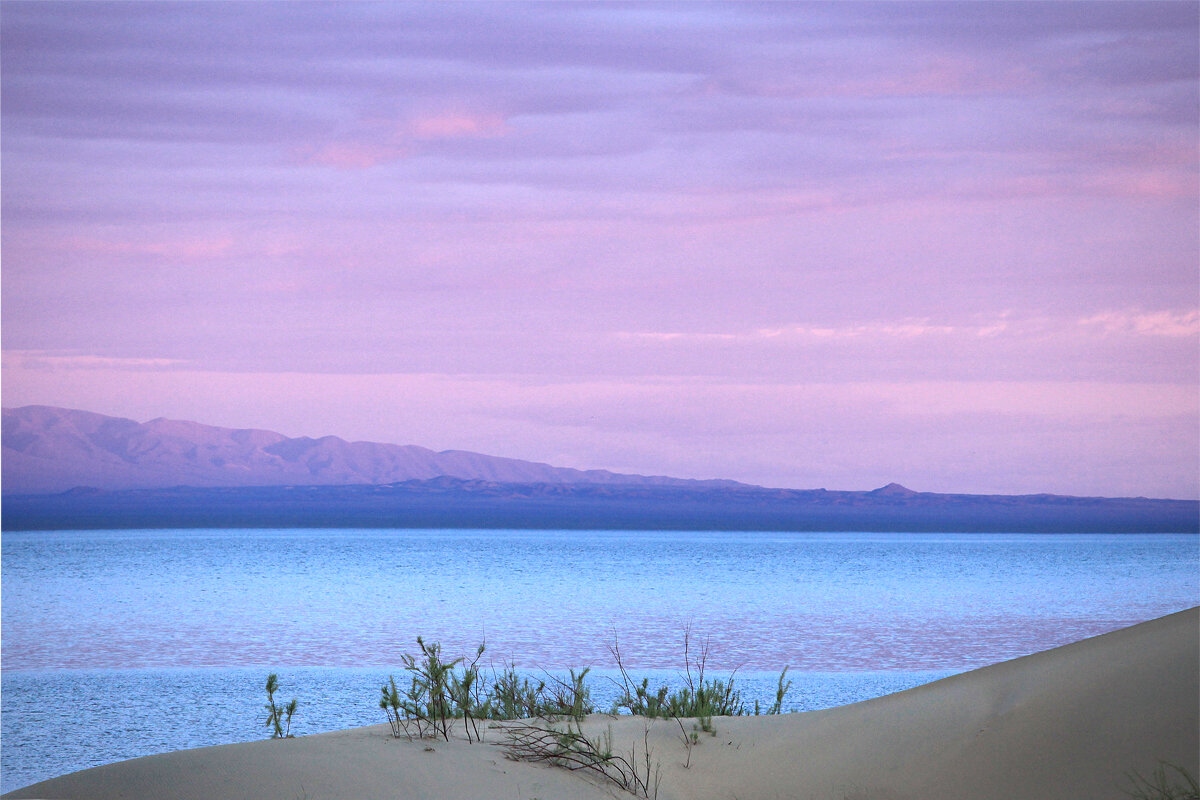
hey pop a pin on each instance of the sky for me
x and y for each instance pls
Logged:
(837, 245)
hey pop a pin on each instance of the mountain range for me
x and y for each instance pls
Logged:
(75, 469)
(48, 449)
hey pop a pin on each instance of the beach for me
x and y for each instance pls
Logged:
(1076, 721)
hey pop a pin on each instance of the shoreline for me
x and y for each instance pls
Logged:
(1077, 720)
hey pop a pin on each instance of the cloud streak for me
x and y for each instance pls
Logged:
(740, 193)
(1184, 325)
(1134, 322)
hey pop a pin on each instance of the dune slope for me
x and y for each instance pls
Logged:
(1072, 722)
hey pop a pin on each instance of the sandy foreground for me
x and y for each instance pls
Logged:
(1073, 722)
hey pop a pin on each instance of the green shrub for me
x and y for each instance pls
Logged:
(279, 718)
(393, 705)
(429, 702)
(441, 691)
(780, 692)
(512, 696)
(568, 699)
(699, 698)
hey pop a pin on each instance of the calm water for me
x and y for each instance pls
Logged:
(162, 639)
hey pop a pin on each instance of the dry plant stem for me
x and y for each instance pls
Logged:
(571, 749)
(1163, 785)
(690, 740)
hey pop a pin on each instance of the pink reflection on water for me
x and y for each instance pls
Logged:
(815, 644)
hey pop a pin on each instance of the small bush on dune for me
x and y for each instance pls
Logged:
(435, 696)
(440, 692)
(512, 696)
(279, 718)
(393, 705)
(699, 698)
(466, 692)
(569, 699)
(780, 692)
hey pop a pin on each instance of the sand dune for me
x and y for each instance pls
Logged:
(1072, 722)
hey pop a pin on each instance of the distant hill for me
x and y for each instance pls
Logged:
(75, 469)
(454, 503)
(49, 449)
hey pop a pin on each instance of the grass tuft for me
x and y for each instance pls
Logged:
(441, 691)
(700, 698)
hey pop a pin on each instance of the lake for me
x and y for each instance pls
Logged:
(118, 644)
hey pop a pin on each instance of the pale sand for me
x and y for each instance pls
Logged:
(1072, 722)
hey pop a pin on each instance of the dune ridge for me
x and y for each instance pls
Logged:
(1072, 722)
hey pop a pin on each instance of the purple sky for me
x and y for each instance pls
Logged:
(950, 245)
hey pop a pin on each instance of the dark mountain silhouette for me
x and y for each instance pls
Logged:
(447, 502)
(73, 469)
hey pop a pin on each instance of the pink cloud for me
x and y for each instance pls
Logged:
(903, 329)
(383, 141)
(1156, 184)
(455, 126)
(1140, 323)
(354, 155)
